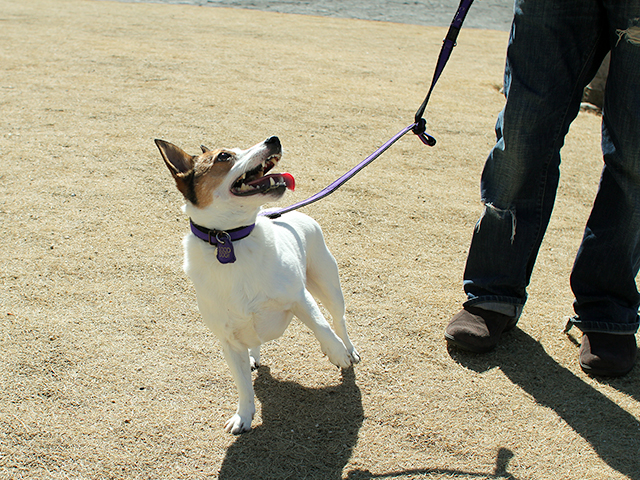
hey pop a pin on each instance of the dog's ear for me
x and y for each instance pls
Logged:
(204, 149)
(177, 160)
(180, 164)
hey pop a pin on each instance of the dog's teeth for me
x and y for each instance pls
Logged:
(272, 182)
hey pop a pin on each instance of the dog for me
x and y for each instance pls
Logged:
(252, 274)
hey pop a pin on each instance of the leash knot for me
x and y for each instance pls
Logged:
(419, 129)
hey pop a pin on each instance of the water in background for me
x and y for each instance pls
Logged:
(487, 14)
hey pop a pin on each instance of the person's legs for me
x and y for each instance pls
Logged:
(554, 50)
(552, 55)
(603, 276)
(604, 273)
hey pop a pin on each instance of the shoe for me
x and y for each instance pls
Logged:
(477, 330)
(607, 354)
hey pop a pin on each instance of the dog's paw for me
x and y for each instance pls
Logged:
(355, 356)
(255, 364)
(237, 425)
(341, 358)
(254, 358)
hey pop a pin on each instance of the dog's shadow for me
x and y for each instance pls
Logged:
(304, 431)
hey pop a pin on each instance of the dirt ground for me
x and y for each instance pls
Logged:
(106, 370)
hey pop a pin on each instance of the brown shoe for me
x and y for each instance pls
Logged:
(477, 330)
(607, 354)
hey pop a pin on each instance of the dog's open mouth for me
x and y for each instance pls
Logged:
(256, 181)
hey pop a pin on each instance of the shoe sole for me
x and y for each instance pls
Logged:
(466, 347)
(599, 372)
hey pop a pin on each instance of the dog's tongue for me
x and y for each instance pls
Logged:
(289, 181)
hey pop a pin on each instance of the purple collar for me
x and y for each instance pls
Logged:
(222, 239)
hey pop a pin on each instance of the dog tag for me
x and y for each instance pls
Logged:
(225, 248)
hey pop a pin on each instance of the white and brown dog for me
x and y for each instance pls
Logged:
(253, 274)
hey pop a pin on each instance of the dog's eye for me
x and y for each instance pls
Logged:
(223, 157)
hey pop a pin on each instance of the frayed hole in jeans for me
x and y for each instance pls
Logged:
(631, 34)
(502, 214)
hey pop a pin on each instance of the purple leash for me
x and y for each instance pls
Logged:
(418, 127)
(343, 179)
(445, 53)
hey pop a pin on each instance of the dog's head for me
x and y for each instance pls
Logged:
(228, 179)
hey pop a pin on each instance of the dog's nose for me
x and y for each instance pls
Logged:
(272, 141)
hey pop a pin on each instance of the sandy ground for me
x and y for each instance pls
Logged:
(106, 370)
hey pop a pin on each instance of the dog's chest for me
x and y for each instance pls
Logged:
(244, 312)
(250, 299)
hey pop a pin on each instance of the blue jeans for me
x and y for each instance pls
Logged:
(555, 49)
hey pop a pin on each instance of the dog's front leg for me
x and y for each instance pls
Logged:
(326, 287)
(240, 367)
(308, 311)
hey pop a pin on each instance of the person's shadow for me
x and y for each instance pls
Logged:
(499, 472)
(612, 432)
(305, 432)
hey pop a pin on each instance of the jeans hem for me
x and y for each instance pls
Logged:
(589, 326)
(476, 301)
(506, 305)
